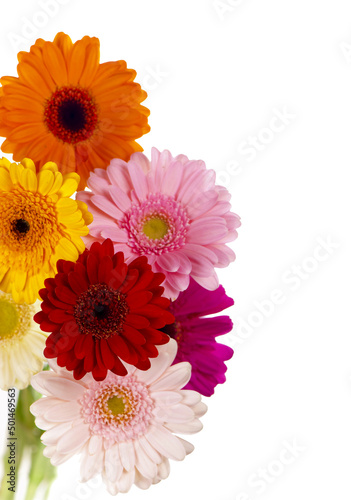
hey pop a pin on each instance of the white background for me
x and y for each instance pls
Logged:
(217, 73)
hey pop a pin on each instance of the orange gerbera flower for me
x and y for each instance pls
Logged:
(67, 108)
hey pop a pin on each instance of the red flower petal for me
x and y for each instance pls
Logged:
(105, 269)
(118, 276)
(59, 316)
(130, 280)
(137, 321)
(76, 283)
(92, 268)
(106, 355)
(119, 368)
(65, 295)
(139, 299)
(133, 335)
(119, 347)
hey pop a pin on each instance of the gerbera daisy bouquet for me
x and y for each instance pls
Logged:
(108, 287)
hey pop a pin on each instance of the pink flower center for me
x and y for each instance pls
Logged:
(157, 225)
(119, 408)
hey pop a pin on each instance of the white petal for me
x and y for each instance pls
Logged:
(190, 398)
(178, 414)
(186, 428)
(175, 377)
(90, 465)
(94, 445)
(150, 450)
(52, 436)
(166, 443)
(189, 448)
(60, 458)
(73, 439)
(62, 387)
(143, 462)
(49, 451)
(42, 423)
(163, 469)
(199, 409)
(113, 467)
(126, 480)
(65, 412)
(142, 482)
(40, 406)
(38, 382)
(127, 455)
(166, 398)
(158, 367)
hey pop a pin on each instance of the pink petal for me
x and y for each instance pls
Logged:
(210, 283)
(107, 206)
(138, 179)
(207, 230)
(169, 261)
(120, 198)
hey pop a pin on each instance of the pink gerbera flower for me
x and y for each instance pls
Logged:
(124, 427)
(170, 210)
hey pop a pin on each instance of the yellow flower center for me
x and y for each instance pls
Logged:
(116, 405)
(9, 319)
(15, 319)
(155, 228)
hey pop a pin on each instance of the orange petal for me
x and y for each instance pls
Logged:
(55, 63)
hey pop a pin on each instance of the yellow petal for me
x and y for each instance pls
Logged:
(20, 280)
(87, 216)
(15, 172)
(4, 162)
(29, 180)
(45, 181)
(67, 220)
(5, 180)
(50, 165)
(77, 241)
(57, 183)
(66, 250)
(28, 163)
(68, 187)
(66, 206)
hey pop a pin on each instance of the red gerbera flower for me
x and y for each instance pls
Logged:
(101, 311)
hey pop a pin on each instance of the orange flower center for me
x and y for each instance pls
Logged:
(71, 114)
(29, 228)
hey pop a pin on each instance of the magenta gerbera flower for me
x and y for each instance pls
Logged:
(170, 210)
(196, 335)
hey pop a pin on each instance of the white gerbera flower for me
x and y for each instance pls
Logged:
(21, 343)
(124, 425)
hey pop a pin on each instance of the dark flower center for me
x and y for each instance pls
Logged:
(71, 114)
(174, 330)
(20, 227)
(101, 311)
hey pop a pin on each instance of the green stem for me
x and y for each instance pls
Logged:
(28, 443)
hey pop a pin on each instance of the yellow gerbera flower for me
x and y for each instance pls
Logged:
(39, 224)
(66, 107)
(21, 343)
